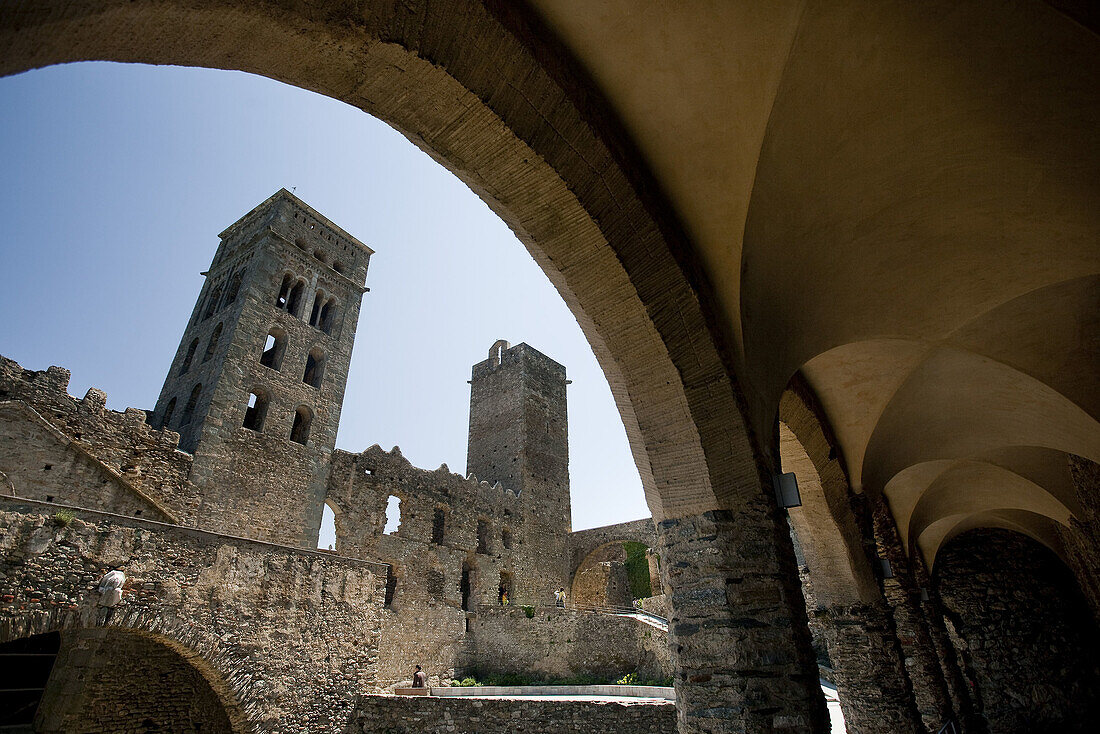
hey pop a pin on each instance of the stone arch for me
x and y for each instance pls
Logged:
(642, 315)
(827, 529)
(591, 584)
(227, 675)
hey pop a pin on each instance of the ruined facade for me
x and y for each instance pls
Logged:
(212, 502)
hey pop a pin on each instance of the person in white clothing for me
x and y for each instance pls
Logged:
(110, 590)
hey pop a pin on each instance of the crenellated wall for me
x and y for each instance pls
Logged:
(97, 457)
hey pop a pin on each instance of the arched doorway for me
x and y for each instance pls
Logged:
(109, 679)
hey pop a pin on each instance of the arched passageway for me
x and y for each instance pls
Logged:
(1023, 631)
(494, 102)
(614, 574)
(85, 680)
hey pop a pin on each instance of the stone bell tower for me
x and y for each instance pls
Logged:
(519, 437)
(257, 384)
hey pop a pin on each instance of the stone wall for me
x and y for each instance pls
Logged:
(128, 448)
(417, 715)
(560, 643)
(287, 637)
(583, 542)
(1081, 541)
(1023, 631)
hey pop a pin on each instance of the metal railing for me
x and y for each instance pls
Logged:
(586, 608)
(949, 728)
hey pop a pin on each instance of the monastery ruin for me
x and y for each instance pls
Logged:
(852, 241)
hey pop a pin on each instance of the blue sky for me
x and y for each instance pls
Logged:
(117, 179)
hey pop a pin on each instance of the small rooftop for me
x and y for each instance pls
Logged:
(283, 194)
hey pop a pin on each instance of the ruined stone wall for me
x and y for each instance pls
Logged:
(290, 637)
(109, 460)
(583, 542)
(560, 643)
(111, 682)
(416, 715)
(1023, 630)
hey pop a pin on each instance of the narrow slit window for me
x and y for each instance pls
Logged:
(506, 538)
(256, 412)
(299, 432)
(274, 349)
(391, 587)
(212, 345)
(190, 356)
(315, 368)
(189, 409)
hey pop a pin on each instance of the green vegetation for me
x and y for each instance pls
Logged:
(637, 569)
(62, 518)
(529, 611)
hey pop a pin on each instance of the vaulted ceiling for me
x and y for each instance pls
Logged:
(900, 201)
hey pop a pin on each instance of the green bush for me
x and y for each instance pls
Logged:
(630, 679)
(529, 611)
(637, 569)
(63, 518)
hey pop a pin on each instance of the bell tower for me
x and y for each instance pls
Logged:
(257, 384)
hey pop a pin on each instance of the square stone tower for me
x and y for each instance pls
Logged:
(519, 438)
(257, 384)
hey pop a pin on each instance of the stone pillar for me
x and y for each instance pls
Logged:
(737, 626)
(902, 593)
(874, 691)
(1081, 540)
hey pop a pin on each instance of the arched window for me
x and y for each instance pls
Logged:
(168, 411)
(506, 538)
(274, 349)
(190, 355)
(315, 367)
(189, 409)
(212, 345)
(212, 302)
(294, 301)
(234, 288)
(439, 525)
(256, 412)
(299, 432)
(315, 313)
(284, 291)
(320, 255)
(338, 267)
(496, 352)
(327, 317)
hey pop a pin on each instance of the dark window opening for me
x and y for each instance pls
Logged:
(504, 591)
(338, 267)
(315, 368)
(189, 409)
(320, 256)
(506, 538)
(328, 316)
(274, 349)
(212, 303)
(234, 288)
(482, 536)
(212, 345)
(294, 301)
(299, 432)
(168, 411)
(391, 587)
(284, 292)
(464, 586)
(315, 312)
(47, 467)
(439, 525)
(256, 412)
(190, 355)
